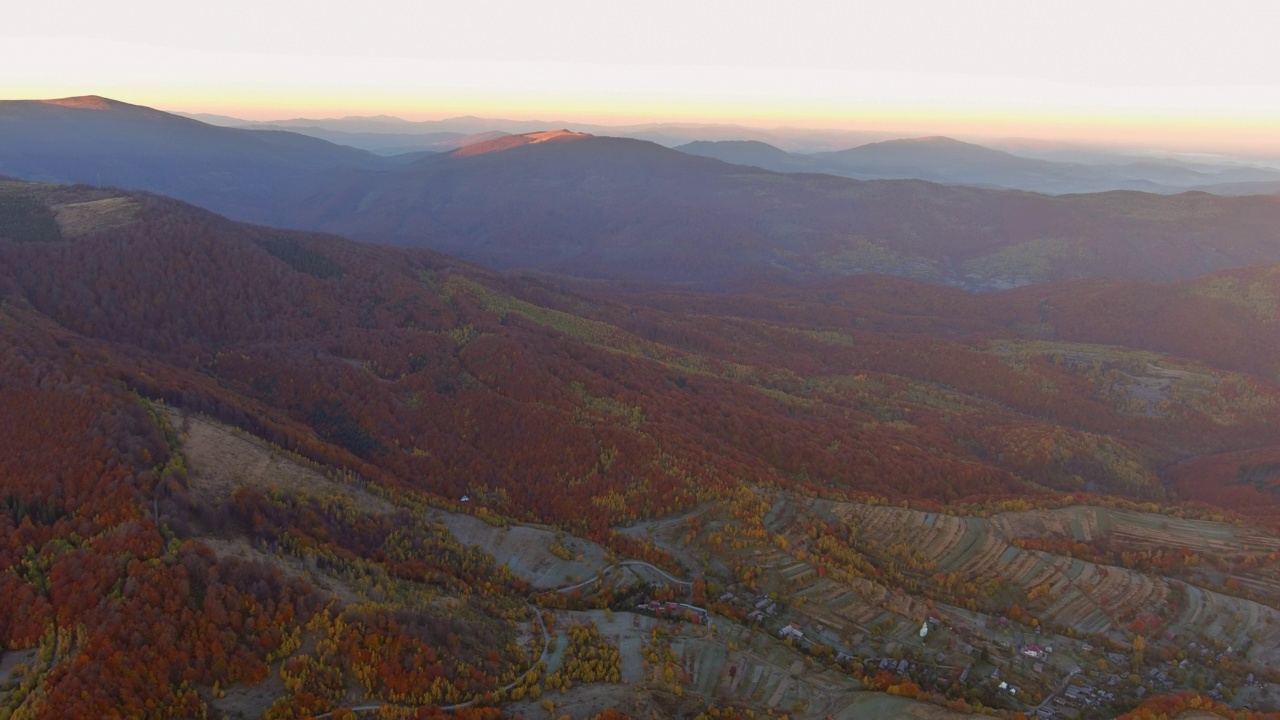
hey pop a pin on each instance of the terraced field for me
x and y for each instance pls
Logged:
(733, 664)
(866, 615)
(1250, 549)
(1090, 598)
(1089, 608)
(1137, 530)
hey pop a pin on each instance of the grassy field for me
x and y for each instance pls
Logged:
(83, 218)
(527, 550)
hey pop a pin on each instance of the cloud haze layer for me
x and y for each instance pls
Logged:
(1189, 75)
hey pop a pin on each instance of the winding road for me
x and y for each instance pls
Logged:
(627, 563)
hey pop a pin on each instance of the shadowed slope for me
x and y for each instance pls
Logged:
(100, 141)
(626, 209)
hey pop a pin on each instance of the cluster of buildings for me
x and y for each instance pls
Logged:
(675, 611)
(764, 606)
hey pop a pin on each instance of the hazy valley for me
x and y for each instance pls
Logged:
(625, 209)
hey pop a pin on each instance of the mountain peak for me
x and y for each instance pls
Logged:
(537, 137)
(84, 102)
(928, 140)
(506, 142)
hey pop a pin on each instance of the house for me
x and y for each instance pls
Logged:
(1033, 651)
(791, 631)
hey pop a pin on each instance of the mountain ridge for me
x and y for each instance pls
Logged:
(628, 209)
(619, 209)
(96, 140)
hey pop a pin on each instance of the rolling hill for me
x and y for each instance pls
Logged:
(409, 342)
(754, 153)
(359, 315)
(275, 431)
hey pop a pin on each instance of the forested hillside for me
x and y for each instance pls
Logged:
(418, 379)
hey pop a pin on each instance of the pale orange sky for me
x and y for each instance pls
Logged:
(1177, 75)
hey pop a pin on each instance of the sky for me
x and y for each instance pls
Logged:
(1182, 75)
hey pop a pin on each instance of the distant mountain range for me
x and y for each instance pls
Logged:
(625, 209)
(1035, 165)
(945, 160)
(367, 129)
(389, 144)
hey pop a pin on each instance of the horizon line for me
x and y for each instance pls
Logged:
(1247, 138)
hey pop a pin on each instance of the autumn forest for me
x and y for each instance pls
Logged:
(248, 471)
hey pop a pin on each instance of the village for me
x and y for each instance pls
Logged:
(1005, 665)
(681, 612)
